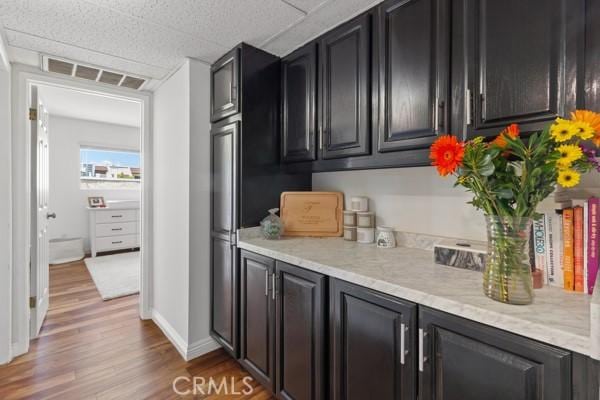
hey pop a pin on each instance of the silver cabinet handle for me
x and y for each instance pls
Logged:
(267, 282)
(273, 283)
(468, 110)
(402, 342)
(422, 358)
(320, 138)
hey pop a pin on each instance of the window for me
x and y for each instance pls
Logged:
(109, 168)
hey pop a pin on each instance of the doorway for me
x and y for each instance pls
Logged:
(31, 285)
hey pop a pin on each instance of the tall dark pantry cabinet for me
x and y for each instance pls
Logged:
(246, 175)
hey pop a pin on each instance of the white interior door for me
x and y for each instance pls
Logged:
(40, 213)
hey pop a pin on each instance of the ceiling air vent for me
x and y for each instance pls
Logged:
(91, 73)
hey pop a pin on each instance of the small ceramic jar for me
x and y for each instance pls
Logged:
(349, 218)
(350, 233)
(385, 237)
(359, 203)
(365, 219)
(365, 235)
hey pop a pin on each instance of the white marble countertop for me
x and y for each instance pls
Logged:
(556, 317)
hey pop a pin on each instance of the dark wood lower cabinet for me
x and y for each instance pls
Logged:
(300, 339)
(257, 317)
(372, 345)
(464, 360)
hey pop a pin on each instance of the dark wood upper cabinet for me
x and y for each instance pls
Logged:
(301, 320)
(345, 89)
(372, 346)
(257, 317)
(224, 88)
(523, 60)
(464, 360)
(592, 56)
(298, 107)
(224, 139)
(413, 72)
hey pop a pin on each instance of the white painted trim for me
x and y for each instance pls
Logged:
(4, 60)
(23, 77)
(201, 347)
(187, 351)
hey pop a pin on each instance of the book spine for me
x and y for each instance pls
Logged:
(539, 244)
(568, 273)
(551, 267)
(593, 242)
(578, 248)
(558, 245)
(585, 245)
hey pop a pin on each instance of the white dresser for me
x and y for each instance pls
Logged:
(114, 228)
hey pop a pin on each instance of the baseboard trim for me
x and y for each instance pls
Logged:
(178, 342)
(17, 349)
(187, 351)
(201, 347)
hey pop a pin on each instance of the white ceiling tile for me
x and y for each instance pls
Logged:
(226, 22)
(307, 5)
(324, 18)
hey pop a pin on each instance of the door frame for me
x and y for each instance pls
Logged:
(23, 78)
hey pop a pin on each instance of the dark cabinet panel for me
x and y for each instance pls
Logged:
(413, 72)
(521, 66)
(257, 317)
(592, 56)
(372, 344)
(300, 338)
(298, 95)
(463, 360)
(345, 89)
(223, 174)
(224, 88)
(224, 299)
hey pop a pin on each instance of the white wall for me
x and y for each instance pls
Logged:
(5, 208)
(67, 199)
(181, 207)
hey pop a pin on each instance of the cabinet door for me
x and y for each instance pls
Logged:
(413, 72)
(224, 88)
(300, 334)
(464, 360)
(257, 317)
(298, 90)
(224, 299)
(223, 179)
(372, 344)
(345, 89)
(523, 63)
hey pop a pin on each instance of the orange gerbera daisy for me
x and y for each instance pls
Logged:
(592, 119)
(447, 154)
(511, 131)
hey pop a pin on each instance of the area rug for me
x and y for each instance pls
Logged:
(116, 275)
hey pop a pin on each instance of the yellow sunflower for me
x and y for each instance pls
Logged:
(562, 130)
(569, 153)
(592, 119)
(562, 164)
(584, 130)
(568, 178)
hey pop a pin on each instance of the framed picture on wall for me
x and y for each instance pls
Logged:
(96, 202)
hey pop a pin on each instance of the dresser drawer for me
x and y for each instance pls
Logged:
(109, 216)
(116, 229)
(117, 242)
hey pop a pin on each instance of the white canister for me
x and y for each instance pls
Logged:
(349, 218)
(385, 237)
(365, 235)
(365, 219)
(359, 203)
(350, 233)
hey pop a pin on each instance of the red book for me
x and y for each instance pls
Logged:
(568, 273)
(578, 266)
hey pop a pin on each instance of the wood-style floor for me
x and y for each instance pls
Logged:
(94, 349)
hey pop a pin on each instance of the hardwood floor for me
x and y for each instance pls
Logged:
(94, 349)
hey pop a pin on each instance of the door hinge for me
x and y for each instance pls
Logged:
(32, 302)
(33, 114)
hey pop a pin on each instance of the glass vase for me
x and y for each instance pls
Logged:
(507, 275)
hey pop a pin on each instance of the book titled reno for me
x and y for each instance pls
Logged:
(593, 242)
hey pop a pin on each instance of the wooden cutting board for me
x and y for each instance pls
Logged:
(312, 213)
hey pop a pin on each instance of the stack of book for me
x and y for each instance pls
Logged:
(566, 244)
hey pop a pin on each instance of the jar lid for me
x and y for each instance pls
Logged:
(349, 227)
(365, 213)
(349, 212)
(385, 228)
(358, 197)
(365, 229)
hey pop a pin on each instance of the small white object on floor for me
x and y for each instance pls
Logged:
(116, 275)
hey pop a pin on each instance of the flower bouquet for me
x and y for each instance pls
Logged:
(509, 177)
